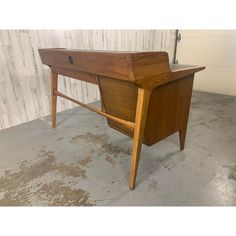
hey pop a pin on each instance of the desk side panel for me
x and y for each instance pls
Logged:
(168, 110)
(119, 98)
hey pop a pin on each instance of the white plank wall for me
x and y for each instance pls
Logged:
(24, 81)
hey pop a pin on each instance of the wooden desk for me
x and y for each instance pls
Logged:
(142, 95)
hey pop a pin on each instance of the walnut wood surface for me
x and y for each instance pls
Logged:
(168, 110)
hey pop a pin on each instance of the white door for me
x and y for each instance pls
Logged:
(215, 49)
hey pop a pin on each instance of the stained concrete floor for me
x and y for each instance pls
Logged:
(84, 162)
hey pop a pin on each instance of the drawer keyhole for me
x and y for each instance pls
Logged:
(70, 59)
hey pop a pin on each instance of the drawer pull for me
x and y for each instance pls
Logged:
(70, 59)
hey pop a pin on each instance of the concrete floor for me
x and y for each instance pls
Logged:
(84, 162)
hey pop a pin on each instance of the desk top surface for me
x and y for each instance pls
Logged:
(176, 67)
(97, 51)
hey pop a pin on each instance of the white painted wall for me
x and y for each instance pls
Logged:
(215, 49)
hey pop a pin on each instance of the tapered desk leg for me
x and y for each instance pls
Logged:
(54, 81)
(182, 133)
(182, 136)
(140, 118)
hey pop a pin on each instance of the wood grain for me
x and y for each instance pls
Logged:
(168, 110)
(140, 121)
